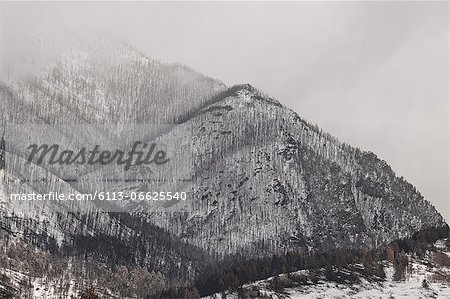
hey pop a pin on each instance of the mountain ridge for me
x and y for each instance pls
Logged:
(261, 180)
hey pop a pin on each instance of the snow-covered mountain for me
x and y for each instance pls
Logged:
(260, 180)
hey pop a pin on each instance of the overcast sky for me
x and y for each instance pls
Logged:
(373, 74)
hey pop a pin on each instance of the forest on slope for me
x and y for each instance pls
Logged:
(267, 189)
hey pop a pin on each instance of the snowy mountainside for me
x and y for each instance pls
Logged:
(260, 180)
(266, 179)
(96, 83)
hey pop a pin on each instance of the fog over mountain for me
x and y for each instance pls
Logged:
(264, 190)
(373, 74)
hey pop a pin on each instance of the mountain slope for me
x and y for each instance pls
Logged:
(427, 277)
(266, 181)
(260, 180)
(96, 82)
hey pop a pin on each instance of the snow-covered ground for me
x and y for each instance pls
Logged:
(32, 287)
(435, 273)
(434, 268)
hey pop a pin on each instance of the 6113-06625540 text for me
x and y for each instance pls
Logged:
(102, 196)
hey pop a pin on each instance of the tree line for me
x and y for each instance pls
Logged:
(234, 272)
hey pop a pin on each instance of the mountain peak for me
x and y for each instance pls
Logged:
(249, 91)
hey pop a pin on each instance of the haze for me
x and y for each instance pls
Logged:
(374, 74)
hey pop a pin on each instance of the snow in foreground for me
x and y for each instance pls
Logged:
(436, 273)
